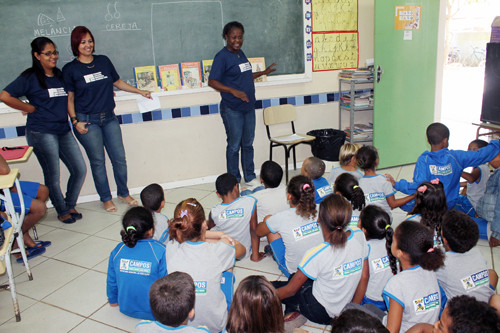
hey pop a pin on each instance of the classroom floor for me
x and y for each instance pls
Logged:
(68, 292)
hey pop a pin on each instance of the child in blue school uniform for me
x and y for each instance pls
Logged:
(376, 225)
(413, 295)
(445, 164)
(347, 185)
(378, 190)
(135, 264)
(172, 301)
(153, 199)
(314, 168)
(292, 232)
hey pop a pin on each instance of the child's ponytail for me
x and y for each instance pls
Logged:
(377, 225)
(187, 223)
(347, 185)
(430, 203)
(334, 215)
(136, 222)
(302, 193)
(417, 241)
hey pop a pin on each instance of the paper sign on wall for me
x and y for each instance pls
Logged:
(407, 18)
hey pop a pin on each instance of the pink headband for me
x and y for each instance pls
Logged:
(430, 250)
(305, 186)
(422, 189)
(435, 181)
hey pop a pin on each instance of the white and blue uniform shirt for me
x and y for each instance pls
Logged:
(131, 272)
(337, 171)
(51, 104)
(161, 227)
(270, 201)
(376, 189)
(157, 327)
(353, 224)
(476, 189)
(417, 291)
(299, 235)
(465, 274)
(336, 272)
(234, 219)
(323, 188)
(205, 262)
(92, 84)
(380, 269)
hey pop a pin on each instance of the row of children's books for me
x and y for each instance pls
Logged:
(185, 75)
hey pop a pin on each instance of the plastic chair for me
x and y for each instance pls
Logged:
(282, 114)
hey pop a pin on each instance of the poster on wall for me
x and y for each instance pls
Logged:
(334, 34)
(407, 18)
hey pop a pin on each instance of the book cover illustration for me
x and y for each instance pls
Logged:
(191, 74)
(145, 78)
(207, 67)
(258, 65)
(170, 77)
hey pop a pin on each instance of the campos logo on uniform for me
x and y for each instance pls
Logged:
(347, 268)
(135, 266)
(324, 191)
(232, 213)
(380, 264)
(441, 170)
(305, 230)
(200, 288)
(475, 280)
(376, 196)
(426, 303)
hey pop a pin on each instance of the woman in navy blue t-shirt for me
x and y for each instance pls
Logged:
(90, 79)
(47, 127)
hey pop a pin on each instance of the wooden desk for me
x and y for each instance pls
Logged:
(25, 157)
(492, 129)
(7, 181)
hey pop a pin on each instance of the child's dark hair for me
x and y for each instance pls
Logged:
(357, 321)
(301, 190)
(479, 143)
(225, 183)
(334, 215)
(430, 203)
(171, 298)
(460, 231)
(37, 46)
(271, 173)
(314, 167)
(377, 225)
(469, 315)
(417, 241)
(436, 133)
(347, 185)
(230, 26)
(255, 308)
(367, 157)
(188, 220)
(152, 196)
(136, 222)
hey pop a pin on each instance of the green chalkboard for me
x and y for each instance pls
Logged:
(142, 33)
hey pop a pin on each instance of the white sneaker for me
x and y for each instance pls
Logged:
(253, 184)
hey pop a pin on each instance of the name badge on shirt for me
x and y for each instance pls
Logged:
(94, 77)
(245, 67)
(57, 92)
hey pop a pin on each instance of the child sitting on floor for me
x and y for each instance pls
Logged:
(273, 198)
(153, 199)
(236, 216)
(172, 302)
(348, 163)
(348, 186)
(314, 168)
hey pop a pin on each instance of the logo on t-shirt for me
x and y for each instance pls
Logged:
(232, 213)
(245, 67)
(305, 230)
(57, 92)
(324, 191)
(200, 288)
(94, 77)
(426, 303)
(441, 170)
(380, 264)
(475, 280)
(375, 196)
(347, 268)
(354, 222)
(135, 266)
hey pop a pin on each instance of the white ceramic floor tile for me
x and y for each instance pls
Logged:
(113, 317)
(310, 325)
(43, 318)
(205, 187)
(49, 276)
(102, 266)
(89, 252)
(84, 295)
(266, 265)
(112, 232)
(7, 307)
(19, 269)
(177, 195)
(62, 240)
(406, 172)
(89, 325)
(210, 201)
(91, 223)
(486, 251)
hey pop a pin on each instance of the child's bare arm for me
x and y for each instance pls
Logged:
(395, 316)
(395, 203)
(421, 328)
(240, 249)
(210, 222)
(390, 179)
(256, 255)
(262, 228)
(293, 285)
(4, 167)
(473, 176)
(363, 283)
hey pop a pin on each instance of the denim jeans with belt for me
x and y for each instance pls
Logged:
(49, 148)
(240, 132)
(104, 132)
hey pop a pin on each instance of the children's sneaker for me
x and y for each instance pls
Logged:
(253, 184)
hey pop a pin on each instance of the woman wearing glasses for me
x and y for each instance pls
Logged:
(90, 79)
(47, 127)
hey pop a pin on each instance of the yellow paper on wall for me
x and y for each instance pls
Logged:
(335, 51)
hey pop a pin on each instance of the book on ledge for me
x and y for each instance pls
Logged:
(170, 77)
(145, 78)
(191, 74)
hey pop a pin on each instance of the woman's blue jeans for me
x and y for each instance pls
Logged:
(240, 132)
(49, 148)
(104, 132)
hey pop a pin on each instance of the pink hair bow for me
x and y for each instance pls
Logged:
(422, 189)
(435, 181)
